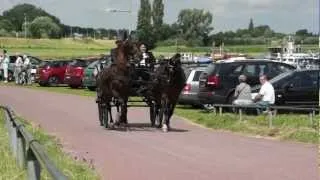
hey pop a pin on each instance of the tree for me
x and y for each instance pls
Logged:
(251, 26)
(16, 15)
(195, 24)
(303, 32)
(44, 27)
(157, 18)
(144, 31)
(6, 25)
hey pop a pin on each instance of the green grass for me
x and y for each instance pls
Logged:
(74, 169)
(293, 127)
(69, 48)
(8, 166)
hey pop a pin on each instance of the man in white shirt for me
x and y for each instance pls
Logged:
(266, 95)
(5, 65)
(17, 68)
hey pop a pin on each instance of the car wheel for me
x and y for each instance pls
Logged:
(74, 86)
(10, 76)
(91, 88)
(53, 81)
(42, 84)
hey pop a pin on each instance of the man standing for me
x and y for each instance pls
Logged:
(266, 95)
(27, 68)
(17, 68)
(5, 65)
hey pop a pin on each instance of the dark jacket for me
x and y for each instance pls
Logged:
(113, 54)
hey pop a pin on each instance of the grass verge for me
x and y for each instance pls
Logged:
(8, 166)
(78, 169)
(292, 127)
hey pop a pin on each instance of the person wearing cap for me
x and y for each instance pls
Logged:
(242, 94)
(27, 68)
(5, 65)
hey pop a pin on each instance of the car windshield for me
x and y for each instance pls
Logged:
(79, 63)
(44, 63)
(280, 76)
(93, 64)
(197, 75)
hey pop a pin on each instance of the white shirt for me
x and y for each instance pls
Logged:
(19, 62)
(5, 62)
(26, 61)
(143, 61)
(267, 91)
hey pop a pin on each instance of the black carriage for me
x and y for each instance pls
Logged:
(139, 82)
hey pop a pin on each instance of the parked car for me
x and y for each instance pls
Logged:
(296, 88)
(218, 82)
(34, 65)
(89, 80)
(75, 72)
(189, 94)
(52, 73)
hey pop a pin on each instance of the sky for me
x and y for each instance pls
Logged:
(285, 16)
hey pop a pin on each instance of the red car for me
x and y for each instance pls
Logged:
(75, 72)
(51, 73)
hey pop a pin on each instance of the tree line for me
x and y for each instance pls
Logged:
(193, 27)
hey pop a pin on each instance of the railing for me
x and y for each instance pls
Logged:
(28, 151)
(271, 112)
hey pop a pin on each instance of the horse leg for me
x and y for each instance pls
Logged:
(166, 116)
(123, 116)
(170, 113)
(161, 113)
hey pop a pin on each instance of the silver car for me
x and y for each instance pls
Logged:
(189, 94)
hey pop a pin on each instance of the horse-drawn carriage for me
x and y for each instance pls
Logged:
(158, 84)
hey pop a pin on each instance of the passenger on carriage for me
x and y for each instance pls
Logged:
(146, 57)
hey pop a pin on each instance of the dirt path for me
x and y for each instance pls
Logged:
(188, 153)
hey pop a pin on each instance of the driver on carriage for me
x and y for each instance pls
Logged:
(146, 57)
(144, 67)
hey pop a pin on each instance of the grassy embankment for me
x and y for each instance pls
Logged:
(69, 48)
(292, 127)
(74, 169)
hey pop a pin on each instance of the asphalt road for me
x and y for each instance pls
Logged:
(187, 153)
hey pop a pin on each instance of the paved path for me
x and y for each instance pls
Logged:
(188, 153)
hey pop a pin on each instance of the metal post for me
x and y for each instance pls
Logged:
(220, 111)
(14, 135)
(270, 119)
(21, 151)
(311, 118)
(215, 110)
(33, 167)
(240, 114)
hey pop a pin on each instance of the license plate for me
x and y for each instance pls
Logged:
(33, 71)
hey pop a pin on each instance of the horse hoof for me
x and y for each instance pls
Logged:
(165, 128)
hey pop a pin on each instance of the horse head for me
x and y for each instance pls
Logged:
(174, 63)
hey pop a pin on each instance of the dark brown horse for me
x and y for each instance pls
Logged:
(114, 82)
(168, 82)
